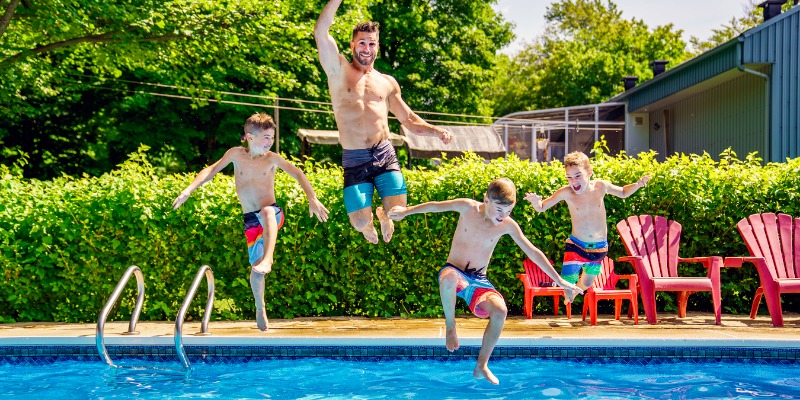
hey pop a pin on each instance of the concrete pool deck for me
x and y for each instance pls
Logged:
(696, 329)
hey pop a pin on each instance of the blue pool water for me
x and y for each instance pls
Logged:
(318, 378)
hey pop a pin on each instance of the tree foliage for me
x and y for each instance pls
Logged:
(581, 58)
(75, 97)
(735, 27)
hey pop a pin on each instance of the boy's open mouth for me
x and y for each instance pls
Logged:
(577, 188)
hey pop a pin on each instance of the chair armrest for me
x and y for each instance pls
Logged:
(633, 281)
(706, 261)
(636, 261)
(526, 282)
(737, 262)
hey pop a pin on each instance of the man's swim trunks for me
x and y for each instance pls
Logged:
(254, 232)
(368, 169)
(472, 286)
(582, 255)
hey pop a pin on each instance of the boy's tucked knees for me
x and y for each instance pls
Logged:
(268, 212)
(448, 280)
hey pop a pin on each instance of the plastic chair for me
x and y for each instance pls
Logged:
(774, 245)
(604, 288)
(536, 282)
(652, 245)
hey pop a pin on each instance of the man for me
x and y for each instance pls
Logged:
(362, 99)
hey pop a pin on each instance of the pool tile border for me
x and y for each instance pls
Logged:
(238, 354)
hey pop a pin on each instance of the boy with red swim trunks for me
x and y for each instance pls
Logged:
(480, 226)
(254, 170)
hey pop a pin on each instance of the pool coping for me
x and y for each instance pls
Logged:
(395, 342)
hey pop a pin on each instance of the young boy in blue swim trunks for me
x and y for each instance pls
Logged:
(480, 226)
(588, 244)
(254, 170)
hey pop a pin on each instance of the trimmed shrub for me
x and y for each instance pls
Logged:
(64, 243)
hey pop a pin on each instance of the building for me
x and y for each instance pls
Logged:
(743, 94)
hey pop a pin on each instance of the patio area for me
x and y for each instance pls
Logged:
(695, 329)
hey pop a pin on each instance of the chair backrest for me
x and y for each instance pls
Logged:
(607, 279)
(655, 239)
(776, 238)
(535, 274)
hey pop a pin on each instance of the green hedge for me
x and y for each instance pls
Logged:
(64, 243)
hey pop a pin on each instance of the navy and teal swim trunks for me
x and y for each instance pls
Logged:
(368, 169)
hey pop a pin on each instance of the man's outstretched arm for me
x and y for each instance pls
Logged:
(328, 51)
(410, 119)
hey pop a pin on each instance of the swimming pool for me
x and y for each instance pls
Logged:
(396, 373)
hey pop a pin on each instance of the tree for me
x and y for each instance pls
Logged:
(76, 96)
(586, 50)
(735, 27)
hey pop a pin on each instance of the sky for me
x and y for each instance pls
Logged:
(694, 17)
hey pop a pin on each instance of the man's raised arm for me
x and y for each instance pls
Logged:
(328, 51)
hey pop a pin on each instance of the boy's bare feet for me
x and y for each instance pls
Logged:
(263, 267)
(261, 320)
(451, 339)
(483, 372)
(370, 234)
(387, 226)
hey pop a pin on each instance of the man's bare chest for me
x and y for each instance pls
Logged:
(365, 88)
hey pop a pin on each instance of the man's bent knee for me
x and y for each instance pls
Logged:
(360, 219)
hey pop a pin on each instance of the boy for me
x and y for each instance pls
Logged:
(480, 226)
(588, 244)
(254, 175)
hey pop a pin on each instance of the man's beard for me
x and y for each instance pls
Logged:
(363, 61)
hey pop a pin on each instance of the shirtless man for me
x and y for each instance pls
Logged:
(588, 243)
(362, 99)
(480, 226)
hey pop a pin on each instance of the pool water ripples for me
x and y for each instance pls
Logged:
(319, 378)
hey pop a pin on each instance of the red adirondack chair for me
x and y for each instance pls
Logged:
(652, 245)
(533, 280)
(774, 245)
(604, 288)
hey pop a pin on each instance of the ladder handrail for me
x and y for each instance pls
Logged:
(101, 319)
(187, 301)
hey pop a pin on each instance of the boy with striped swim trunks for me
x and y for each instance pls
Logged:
(588, 243)
(254, 170)
(480, 226)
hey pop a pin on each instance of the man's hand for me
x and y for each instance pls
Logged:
(445, 136)
(315, 207)
(397, 213)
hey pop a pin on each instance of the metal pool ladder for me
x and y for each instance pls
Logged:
(187, 301)
(101, 319)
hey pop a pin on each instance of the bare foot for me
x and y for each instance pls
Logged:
(371, 234)
(451, 339)
(263, 267)
(483, 372)
(261, 320)
(387, 226)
